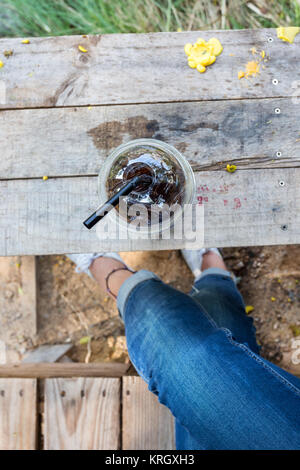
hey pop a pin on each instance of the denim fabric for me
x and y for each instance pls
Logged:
(199, 355)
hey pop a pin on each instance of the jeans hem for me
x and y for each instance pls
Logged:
(130, 284)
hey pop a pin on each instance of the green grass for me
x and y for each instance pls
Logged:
(60, 17)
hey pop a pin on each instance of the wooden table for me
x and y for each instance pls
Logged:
(65, 110)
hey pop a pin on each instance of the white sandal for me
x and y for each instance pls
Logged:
(84, 260)
(194, 259)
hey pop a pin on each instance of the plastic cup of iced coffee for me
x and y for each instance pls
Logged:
(166, 181)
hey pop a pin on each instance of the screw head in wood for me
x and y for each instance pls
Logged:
(278, 154)
(275, 81)
(270, 39)
(281, 183)
(277, 111)
(284, 227)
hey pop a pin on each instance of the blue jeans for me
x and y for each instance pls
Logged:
(198, 353)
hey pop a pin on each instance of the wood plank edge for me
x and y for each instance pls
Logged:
(65, 370)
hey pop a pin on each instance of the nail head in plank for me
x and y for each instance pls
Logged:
(147, 424)
(82, 414)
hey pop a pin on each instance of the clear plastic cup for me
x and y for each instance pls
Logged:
(159, 157)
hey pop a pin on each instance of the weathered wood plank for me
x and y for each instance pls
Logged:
(76, 141)
(18, 414)
(146, 423)
(141, 68)
(82, 414)
(248, 207)
(50, 370)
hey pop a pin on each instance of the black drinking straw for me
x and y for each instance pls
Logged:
(114, 200)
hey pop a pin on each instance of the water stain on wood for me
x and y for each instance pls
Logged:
(110, 134)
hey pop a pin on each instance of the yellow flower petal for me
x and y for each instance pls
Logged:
(252, 68)
(1, 64)
(25, 41)
(273, 299)
(192, 64)
(201, 42)
(249, 308)
(45, 178)
(217, 46)
(202, 53)
(287, 34)
(82, 49)
(241, 74)
(230, 168)
(187, 48)
(201, 68)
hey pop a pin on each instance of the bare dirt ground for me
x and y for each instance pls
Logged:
(71, 308)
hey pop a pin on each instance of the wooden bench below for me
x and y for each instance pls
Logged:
(83, 413)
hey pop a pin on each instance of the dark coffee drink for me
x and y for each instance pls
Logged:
(165, 185)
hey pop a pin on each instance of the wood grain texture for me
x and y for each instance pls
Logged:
(76, 141)
(82, 414)
(75, 369)
(18, 414)
(146, 423)
(248, 207)
(142, 68)
(29, 299)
